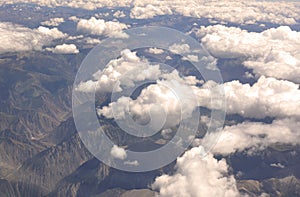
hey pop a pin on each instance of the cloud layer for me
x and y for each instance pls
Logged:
(273, 52)
(15, 38)
(285, 12)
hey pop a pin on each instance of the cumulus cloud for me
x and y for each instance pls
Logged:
(53, 22)
(180, 48)
(155, 51)
(242, 12)
(118, 152)
(101, 27)
(64, 49)
(167, 99)
(119, 14)
(192, 58)
(273, 52)
(248, 12)
(197, 176)
(129, 64)
(15, 38)
(253, 136)
(267, 97)
(83, 4)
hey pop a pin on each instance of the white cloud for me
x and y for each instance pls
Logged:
(155, 51)
(267, 97)
(180, 48)
(242, 12)
(53, 22)
(132, 163)
(95, 26)
(53, 33)
(192, 58)
(253, 136)
(118, 152)
(167, 100)
(83, 4)
(64, 49)
(16, 38)
(126, 70)
(197, 176)
(274, 52)
(277, 165)
(119, 14)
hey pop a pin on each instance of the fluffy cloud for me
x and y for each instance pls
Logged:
(155, 51)
(118, 152)
(119, 14)
(168, 100)
(253, 136)
(180, 48)
(100, 27)
(273, 52)
(197, 176)
(178, 97)
(251, 11)
(223, 11)
(128, 69)
(53, 22)
(16, 38)
(267, 97)
(83, 4)
(64, 49)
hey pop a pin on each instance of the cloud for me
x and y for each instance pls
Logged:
(53, 22)
(169, 100)
(119, 14)
(155, 51)
(53, 33)
(253, 136)
(267, 97)
(129, 68)
(64, 49)
(82, 4)
(177, 98)
(180, 48)
(241, 12)
(95, 26)
(15, 38)
(197, 176)
(132, 163)
(273, 52)
(277, 165)
(118, 152)
(192, 58)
